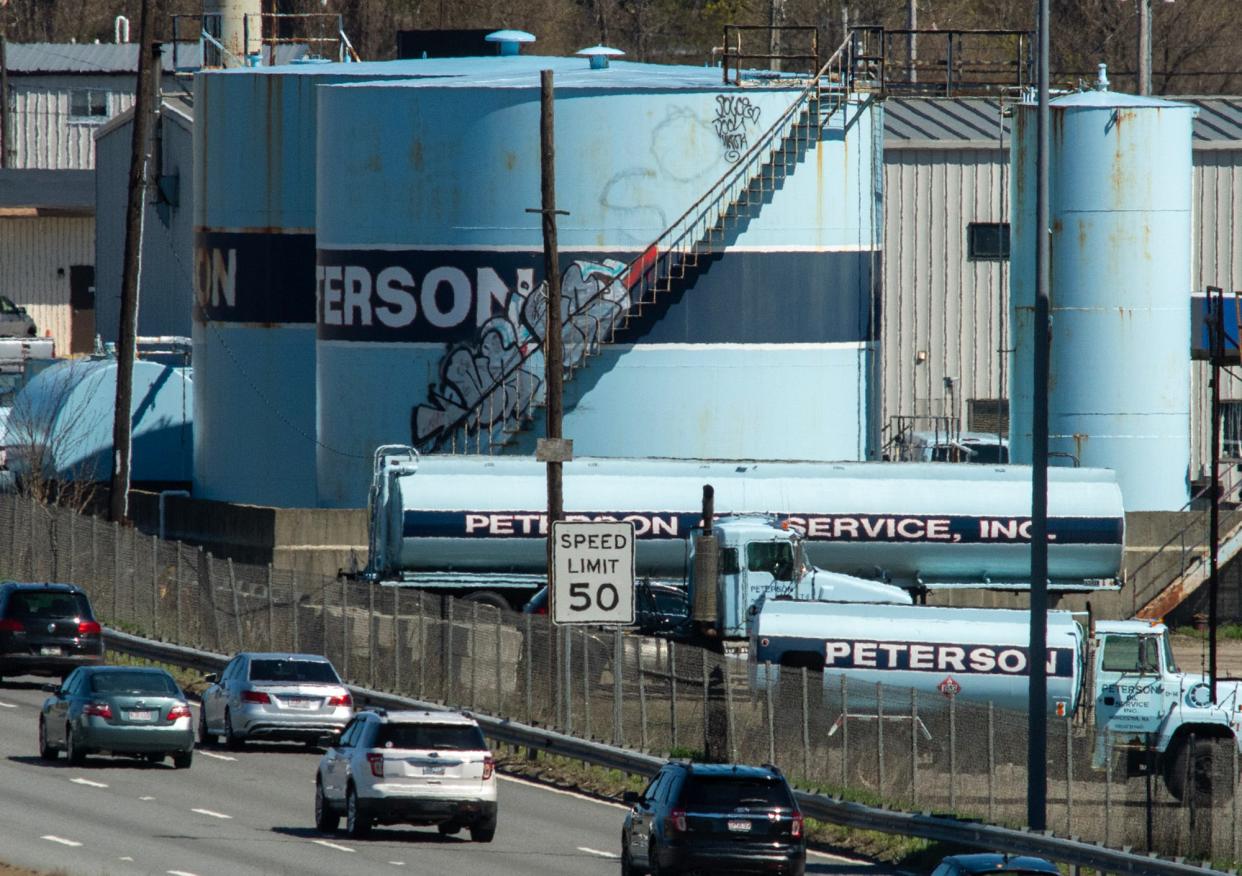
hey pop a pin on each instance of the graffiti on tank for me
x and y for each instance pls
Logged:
(495, 379)
(732, 115)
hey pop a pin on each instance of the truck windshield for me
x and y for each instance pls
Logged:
(1139, 654)
(775, 557)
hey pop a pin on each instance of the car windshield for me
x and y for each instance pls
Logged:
(48, 603)
(311, 671)
(451, 737)
(135, 682)
(729, 792)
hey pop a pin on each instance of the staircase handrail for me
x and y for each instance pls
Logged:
(651, 253)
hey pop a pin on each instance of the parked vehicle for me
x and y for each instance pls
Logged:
(14, 320)
(713, 817)
(994, 862)
(408, 767)
(118, 710)
(47, 629)
(1122, 673)
(475, 526)
(661, 609)
(279, 696)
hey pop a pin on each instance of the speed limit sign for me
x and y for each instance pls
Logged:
(593, 572)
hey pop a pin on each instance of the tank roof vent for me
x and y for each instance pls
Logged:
(1101, 80)
(510, 40)
(599, 55)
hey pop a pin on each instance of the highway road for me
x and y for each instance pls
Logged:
(251, 812)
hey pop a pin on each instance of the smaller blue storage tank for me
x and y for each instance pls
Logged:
(62, 421)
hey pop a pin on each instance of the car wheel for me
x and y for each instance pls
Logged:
(483, 831)
(231, 739)
(205, 739)
(357, 824)
(326, 821)
(46, 751)
(73, 750)
(183, 759)
(653, 862)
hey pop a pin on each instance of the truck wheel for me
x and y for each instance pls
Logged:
(490, 597)
(1201, 770)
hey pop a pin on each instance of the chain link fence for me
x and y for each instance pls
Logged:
(908, 749)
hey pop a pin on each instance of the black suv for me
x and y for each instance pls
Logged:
(46, 629)
(711, 818)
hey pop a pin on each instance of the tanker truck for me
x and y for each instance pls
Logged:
(476, 526)
(1121, 678)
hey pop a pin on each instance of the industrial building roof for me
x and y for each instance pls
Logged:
(979, 121)
(47, 192)
(34, 58)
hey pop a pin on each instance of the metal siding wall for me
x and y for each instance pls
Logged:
(1216, 261)
(44, 137)
(934, 299)
(31, 251)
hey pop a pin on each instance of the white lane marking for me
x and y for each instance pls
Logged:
(329, 845)
(88, 783)
(542, 787)
(60, 839)
(125, 858)
(397, 863)
(179, 873)
(146, 798)
(8, 705)
(597, 852)
(215, 756)
(212, 814)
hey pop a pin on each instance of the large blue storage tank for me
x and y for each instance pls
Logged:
(428, 257)
(1119, 385)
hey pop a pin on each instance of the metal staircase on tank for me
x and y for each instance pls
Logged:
(510, 404)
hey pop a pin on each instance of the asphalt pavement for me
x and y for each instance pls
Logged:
(252, 812)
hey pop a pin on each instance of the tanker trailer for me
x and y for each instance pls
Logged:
(478, 525)
(1124, 675)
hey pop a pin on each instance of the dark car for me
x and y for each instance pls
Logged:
(659, 609)
(993, 862)
(712, 818)
(127, 710)
(47, 629)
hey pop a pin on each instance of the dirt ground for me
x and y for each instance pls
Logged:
(1191, 654)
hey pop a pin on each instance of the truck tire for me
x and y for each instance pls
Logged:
(1200, 769)
(490, 597)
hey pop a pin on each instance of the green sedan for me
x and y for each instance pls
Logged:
(121, 710)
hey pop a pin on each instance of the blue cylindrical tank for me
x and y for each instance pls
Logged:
(936, 523)
(66, 413)
(1119, 383)
(428, 255)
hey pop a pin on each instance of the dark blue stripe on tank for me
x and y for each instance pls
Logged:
(913, 656)
(845, 528)
(254, 277)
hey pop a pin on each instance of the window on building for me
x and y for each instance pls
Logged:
(987, 241)
(990, 415)
(1231, 429)
(86, 105)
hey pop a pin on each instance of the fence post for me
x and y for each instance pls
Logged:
(448, 648)
(1069, 776)
(116, 571)
(73, 547)
(371, 636)
(271, 612)
(176, 589)
(1108, 796)
(396, 639)
(618, 664)
(237, 621)
(729, 713)
(530, 656)
(345, 649)
(806, 728)
(845, 733)
(30, 553)
(914, 747)
(94, 546)
(771, 718)
(642, 705)
(879, 737)
(474, 656)
(991, 762)
(672, 700)
(586, 683)
(295, 599)
(567, 678)
(324, 593)
(500, 688)
(1233, 801)
(953, 755)
(155, 587)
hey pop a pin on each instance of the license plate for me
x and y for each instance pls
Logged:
(738, 825)
(433, 771)
(49, 651)
(141, 715)
(305, 705)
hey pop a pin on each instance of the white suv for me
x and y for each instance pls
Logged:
(408, 768)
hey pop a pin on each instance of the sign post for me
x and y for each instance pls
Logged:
(593, 572)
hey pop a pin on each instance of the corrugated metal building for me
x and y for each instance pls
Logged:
(59, 96)
(946, 276)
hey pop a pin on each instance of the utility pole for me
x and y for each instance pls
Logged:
(776, 20)
(1216, 332)
(6, 130)
(1144, 47)
(149, 69)
(912, 22)
(1037, 731)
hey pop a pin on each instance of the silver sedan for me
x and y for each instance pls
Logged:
(292, 697)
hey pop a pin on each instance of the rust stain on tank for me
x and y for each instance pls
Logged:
(1080, 445)
(416, 154)
(510, 160)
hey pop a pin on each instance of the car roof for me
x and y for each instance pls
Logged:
(991, 862)
(283, 655)
(424, 716)
(42, 585)
(148, 670)
(727, 769)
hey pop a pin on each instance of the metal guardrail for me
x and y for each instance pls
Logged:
(922, 825)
